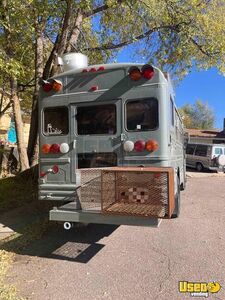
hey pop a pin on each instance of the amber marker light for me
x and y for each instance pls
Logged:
(135, 73)
(151, 145)
(57, 85)
(45, 148)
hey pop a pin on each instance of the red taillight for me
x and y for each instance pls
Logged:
(47, 86)
(55, 148)
(134, 73)
(57, 85)
(139, 146)
(147, 72)
(45, 148)
(101, 68)
(152, 145)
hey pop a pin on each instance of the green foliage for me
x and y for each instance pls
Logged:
(198, 116)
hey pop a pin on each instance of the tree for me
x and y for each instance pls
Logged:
(199, 115)
(171, 34)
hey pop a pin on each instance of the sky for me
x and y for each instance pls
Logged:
(208, 86)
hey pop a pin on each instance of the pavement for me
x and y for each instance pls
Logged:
(128, 262)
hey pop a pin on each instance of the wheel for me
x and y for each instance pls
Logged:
(199, 167)
(176, 212)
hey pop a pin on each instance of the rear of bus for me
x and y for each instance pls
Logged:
(104, 139)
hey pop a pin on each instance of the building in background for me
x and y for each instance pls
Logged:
(203, 136)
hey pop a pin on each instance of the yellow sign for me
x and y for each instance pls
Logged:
(199, 289)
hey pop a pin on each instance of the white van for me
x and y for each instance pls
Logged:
(205, 156)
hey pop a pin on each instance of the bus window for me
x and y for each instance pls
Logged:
(56, 120)
(218, 151)
(201, 150)
(190, 149)
(98, 119)
(142, 114)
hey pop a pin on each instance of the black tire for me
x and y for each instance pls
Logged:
(199, 167)
(176, 211)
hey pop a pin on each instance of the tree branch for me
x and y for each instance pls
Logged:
(99, 9)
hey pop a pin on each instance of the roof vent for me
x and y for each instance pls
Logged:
(73, 61)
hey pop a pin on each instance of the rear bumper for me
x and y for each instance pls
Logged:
(68, 213)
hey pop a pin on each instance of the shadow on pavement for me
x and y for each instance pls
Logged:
(80, 244)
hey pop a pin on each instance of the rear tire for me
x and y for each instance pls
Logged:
(199, 167)
(176, 211)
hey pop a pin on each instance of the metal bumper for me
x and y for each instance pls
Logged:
(68, 213)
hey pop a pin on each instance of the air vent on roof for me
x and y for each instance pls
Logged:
(73, 61)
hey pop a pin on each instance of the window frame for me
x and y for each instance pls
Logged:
(125, 114)
(43, 121)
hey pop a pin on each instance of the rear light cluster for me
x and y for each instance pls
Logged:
(52, 85)
(146, 72)
(55, 148)
(92, 70)
(141, 145)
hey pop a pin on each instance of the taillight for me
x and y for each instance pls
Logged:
(55, 148)
(92, 70)
(45, 148)
(94, 88)
(139, 146)
(147, 72)
(57, 85)
(151, 145)
(134, 73)
(55, 169)
(47, 86)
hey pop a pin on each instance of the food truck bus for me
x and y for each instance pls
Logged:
(111, 144)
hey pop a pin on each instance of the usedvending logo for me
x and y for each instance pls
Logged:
(199, 289)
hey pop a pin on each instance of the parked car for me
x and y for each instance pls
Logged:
(206, 156)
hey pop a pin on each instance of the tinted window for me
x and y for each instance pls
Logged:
(142, 114)
(218, 151)
(56, 120)
(190, 149)
(98, 119)
(97, 160)
(201, 150)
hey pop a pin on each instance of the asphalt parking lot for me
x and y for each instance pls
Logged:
(125, 262)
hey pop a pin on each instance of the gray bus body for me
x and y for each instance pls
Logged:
(91, 118)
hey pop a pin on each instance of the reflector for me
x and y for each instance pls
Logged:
(55, 169)
(101, 68)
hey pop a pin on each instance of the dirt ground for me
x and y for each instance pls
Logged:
(125, 262)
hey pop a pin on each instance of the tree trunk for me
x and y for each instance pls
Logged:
(33, 135)
(24, 163)
(75, 33)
